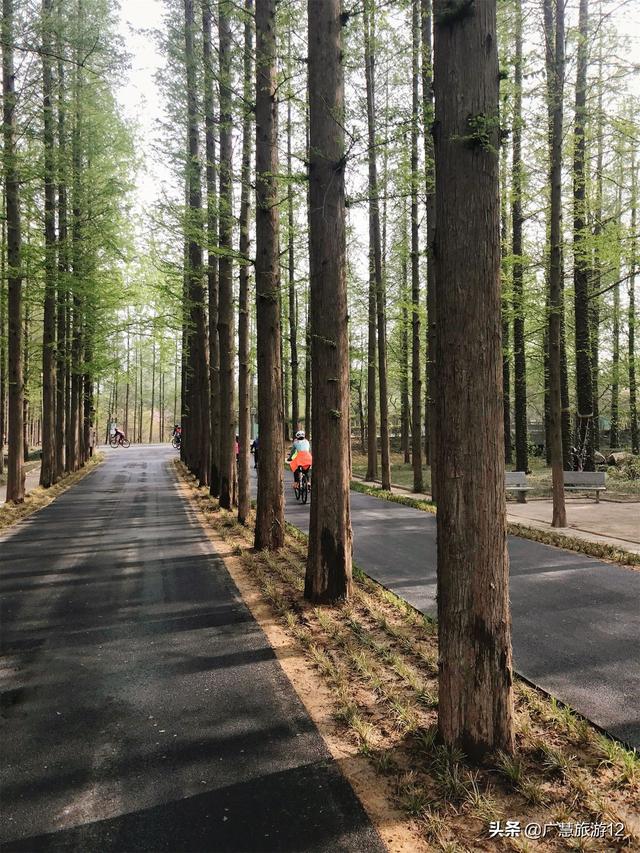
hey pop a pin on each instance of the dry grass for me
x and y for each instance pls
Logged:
(377, 657)
(38, 498)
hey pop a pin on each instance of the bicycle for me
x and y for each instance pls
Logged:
(302, 486)
(119, 441)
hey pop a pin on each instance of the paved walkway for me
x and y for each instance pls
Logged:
(143, 708)
(576, 620)
(606, 523)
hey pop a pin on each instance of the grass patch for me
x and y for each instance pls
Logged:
(377, 658)
(38, 498)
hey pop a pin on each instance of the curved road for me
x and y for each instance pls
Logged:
(576, 620)
(142, 707)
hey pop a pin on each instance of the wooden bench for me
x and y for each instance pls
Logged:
(516, 481)
(585, 481)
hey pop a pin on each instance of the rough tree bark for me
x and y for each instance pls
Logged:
(427, 107)
(555, 85)
(62, 353)
(416, 375)
(519, 355)
(48, 472)
(269, 532)
(244, 367)
(198, 385)
(212, 258)
(375, 244)
(506, 311)
(3, 334)
(581, 252)
(225, 269)
(329, 568)
(293, 303)
(476, 701)
(633, 261)
(15, 461)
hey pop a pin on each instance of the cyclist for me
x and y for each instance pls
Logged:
(118, 435)
(177, 435)
(300, 456)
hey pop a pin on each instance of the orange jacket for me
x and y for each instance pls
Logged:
(301, 459)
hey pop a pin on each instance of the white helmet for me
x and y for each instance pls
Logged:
(300, 433)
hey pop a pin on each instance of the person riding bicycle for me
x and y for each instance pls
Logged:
(300, 456)
(177, 435)
(118, 435)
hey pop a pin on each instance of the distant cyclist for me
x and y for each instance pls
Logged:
(176, 435)
(300, 455)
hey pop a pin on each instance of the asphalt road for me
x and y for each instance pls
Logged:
(142, 707)
(576, 620)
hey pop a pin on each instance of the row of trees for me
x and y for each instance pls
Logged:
(335, 236)
(462, 193)
(65, 158)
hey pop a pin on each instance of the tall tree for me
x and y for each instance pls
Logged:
(212, 239)
(225, 268)
(244, 367)
(62, 350)
(329, 568)
(269, 532)
(293, 304)
(633, 263)
(48, 471)
(519, 354)
(476, 701)
(554, 36)
(3, 334)
(15, 462)
(426, 8)
(506, 309)
(375, 241)
(581, 251)
(198, 370)
(416, 375)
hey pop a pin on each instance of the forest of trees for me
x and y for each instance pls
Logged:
(325, 190)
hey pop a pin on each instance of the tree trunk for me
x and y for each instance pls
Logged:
(506, 360)
(212, 258)
(244, 414)
(153, 390)
(293, 303)
(476, 701)
(428, 116)
(225, 269)
(3, 337)
(416, 375)
(375, 245)
(329, 573)
(48, 472)
(614, 435)
(405, 410)
(519, 355)
(584, 391)
(555, 85)
(198, 397)
(62, 365)
(15, 466)
(269, 531)
(633, 262)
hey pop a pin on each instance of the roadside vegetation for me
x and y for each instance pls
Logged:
(378, 657)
